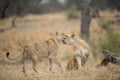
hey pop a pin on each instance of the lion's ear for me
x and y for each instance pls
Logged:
(47, 41)
(64, 35)
(73, 35)
(50, 34)
(56, 33)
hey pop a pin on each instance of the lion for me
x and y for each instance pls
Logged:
(46, 49)
(81, 48)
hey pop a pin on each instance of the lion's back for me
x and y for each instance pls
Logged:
(42, 49)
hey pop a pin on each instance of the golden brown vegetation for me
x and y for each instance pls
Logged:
(37, 27)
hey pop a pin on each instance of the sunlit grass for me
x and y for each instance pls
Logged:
(37, 28)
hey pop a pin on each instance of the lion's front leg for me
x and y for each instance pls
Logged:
(57, 62)
(79, 61)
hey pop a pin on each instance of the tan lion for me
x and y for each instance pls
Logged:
(82, 51)
(34, 51)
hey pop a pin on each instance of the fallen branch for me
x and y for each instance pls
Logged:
(109, 57)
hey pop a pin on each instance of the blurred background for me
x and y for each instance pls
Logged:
(96, 21)
(21, 7)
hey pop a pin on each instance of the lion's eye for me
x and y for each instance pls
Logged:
(64, 38)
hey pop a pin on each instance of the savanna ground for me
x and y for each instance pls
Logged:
(38, 28)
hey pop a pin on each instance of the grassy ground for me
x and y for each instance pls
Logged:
(38, 27)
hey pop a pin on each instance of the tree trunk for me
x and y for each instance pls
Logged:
(85, 19)
(5, 8)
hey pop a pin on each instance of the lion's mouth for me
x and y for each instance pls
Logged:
(64, 42)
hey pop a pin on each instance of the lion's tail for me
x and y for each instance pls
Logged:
(23, 45)
(18, 57)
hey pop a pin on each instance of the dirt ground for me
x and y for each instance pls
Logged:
(38, 27)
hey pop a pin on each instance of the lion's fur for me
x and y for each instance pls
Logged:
(82, 51)
(34, 51)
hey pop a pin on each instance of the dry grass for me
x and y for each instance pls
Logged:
(14, 72)
(38, 27)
